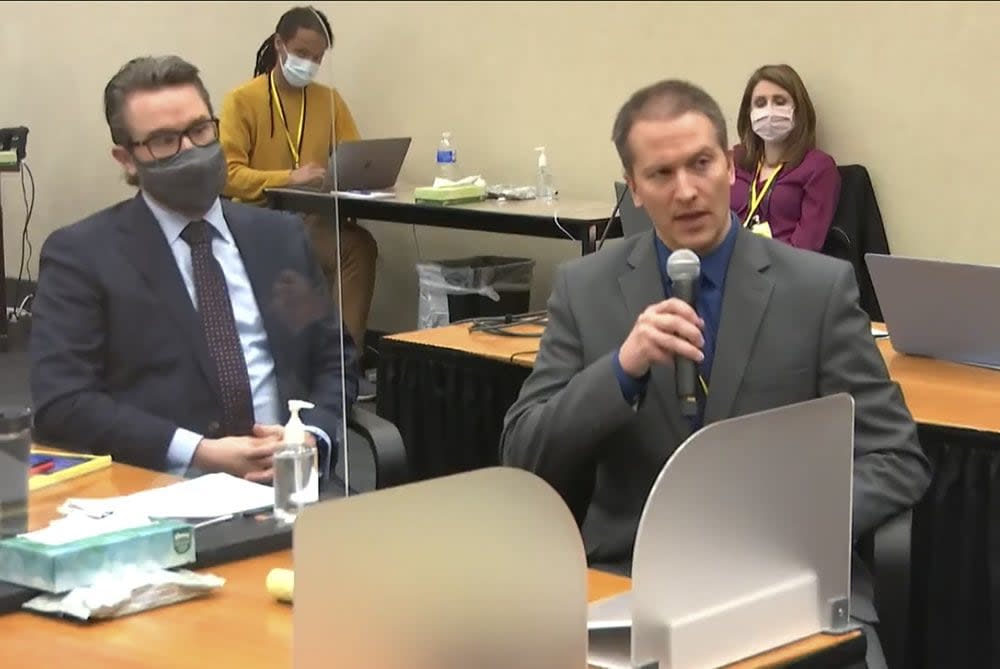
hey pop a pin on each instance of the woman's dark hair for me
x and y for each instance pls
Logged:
(289, 24)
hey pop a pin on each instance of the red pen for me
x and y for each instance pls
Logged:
(42, 467)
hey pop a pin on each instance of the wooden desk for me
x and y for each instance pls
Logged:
(520, 351)
(239, 627)
(585, 220)
(946, 394)
(938, 393)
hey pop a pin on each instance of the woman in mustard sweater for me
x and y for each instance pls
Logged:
(279, 129)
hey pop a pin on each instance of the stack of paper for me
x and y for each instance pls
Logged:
(208, 496)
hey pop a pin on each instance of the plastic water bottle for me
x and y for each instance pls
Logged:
(446, 158)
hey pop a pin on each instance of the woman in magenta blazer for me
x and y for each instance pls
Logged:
(785, 187)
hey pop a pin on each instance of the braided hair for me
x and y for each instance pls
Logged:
(289, 23)
(309, 18)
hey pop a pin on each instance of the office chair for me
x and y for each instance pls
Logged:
(385, 443)
(838, 244)
(386, 465)
(857, 229)
(887, 552)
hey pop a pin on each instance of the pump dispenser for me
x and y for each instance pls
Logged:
(295, 431)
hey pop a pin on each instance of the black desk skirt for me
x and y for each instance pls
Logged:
(449, 407)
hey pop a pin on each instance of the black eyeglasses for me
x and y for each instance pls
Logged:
(163, 144)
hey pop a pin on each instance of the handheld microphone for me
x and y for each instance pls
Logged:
(684, 269)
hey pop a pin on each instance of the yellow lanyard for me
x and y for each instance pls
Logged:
(293, 147)
(757, 198)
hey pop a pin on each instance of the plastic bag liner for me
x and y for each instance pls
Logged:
(462, 288)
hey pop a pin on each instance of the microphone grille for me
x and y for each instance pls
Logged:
(683, 264)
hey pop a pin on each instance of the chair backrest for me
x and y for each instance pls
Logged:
(376, 453)
(634, 219)
(886, 552)
(857, 229)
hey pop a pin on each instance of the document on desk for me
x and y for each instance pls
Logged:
(208, 496)
(366, 194)
(609, 632)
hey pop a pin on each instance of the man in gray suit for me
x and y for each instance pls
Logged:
(598, 417)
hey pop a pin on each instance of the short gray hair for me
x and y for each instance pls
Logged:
(148, 73)
(665, 99)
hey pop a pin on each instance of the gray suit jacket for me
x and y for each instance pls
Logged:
(791, 330)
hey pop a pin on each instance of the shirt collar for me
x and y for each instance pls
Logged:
(172, 224)
(714, 264)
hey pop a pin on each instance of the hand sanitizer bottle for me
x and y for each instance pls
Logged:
(544, 188)
(296, 468)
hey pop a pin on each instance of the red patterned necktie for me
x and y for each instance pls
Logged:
(220, 331)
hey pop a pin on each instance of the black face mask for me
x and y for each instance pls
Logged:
(188, 182)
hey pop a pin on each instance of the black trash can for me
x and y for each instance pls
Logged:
(464, 288)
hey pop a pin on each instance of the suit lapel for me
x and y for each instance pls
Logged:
(255, 256)
(641, 286)
(744, 301)
(261, 269)
(147, 249)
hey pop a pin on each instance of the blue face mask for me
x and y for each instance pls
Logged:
(299, 72)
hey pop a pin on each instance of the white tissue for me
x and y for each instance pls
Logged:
(475, 180)
(127, 591)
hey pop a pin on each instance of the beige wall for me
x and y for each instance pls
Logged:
(907, 89)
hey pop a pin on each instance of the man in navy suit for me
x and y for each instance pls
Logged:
(171, 329)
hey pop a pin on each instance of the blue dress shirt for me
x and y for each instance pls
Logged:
(709, 306)
(249, 324)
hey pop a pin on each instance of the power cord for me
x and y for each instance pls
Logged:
(614, 212)
(416, 243)
(555, 219)
(25, 264)
(503, 325)
(515, 356)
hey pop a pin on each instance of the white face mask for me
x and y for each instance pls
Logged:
(299, 72)
(772, 123)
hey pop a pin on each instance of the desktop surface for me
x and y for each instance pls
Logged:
(240, 626)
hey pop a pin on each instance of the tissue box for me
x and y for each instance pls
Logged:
(459, 194)
(62, 567)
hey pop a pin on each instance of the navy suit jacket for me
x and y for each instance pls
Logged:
(119, 359)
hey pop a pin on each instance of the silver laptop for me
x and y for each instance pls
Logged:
(635, 220)
(939, 309)
(366, 164)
